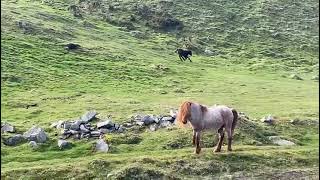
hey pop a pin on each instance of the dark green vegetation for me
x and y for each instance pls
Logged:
(127, 65)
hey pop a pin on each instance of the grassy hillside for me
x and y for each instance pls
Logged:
(126, 65)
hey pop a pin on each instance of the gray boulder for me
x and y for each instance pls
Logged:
(168, 118)
(6, 127)
(84, 129)
(102, 146)
(153, 127)
(105, 124)
(95, 133)
(76, 125)
(280, 142)
(67, 125)
(88, 116)
(164, 124)
(36, 134)
(269, 120)
(33, 145)
(147, 120)
(58, 124)
(294, 76)
(14, 140)
(63, 144)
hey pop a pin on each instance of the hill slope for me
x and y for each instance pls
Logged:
(126, 65)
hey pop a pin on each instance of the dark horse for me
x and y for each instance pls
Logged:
(184, 54)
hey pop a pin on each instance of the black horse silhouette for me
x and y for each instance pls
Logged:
(184, 54)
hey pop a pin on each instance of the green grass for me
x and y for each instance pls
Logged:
(120, 75)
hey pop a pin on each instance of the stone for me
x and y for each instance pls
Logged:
(73, 132)
(76, 125)
(88, 116)
(95, 133)
(147, 120)
(104, 130)
(153, 127)
(63, 144)
(127, 125)
(294, 76)
(208, 52)
(14, 140)
(102, 146)
(281, 142)
(72, 46)
(36, 134)
(140, 123)
(165, 124)
(67, 125)
(173, 113)
(84, 129)
(105, 124)
(121, 129)
(167, 118)
(33, 145)
(116, 126)
(58, 124)
(6, 127)
(269, 119)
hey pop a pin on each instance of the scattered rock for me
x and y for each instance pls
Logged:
(76, 125)
(67, 125)
(63, 144)
(88, 116)
(269, 120)
(147, 120)
(6, 127)
(14, 140)
(208, 52)
(281, 142)
(137, 34)
(140, 123)
(102, 146)
(33, 144)
(105, 131)
(58, 124)
(167, 118)
(294, 76)
(72, 46)
(36, 134)
(173, 113)
(95, 133)
(153, 127)
(84, 129)
(105, 124)
(164, 124)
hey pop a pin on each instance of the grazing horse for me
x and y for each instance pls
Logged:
(184, 54)
(220, 118)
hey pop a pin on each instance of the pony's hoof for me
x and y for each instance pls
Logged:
(229, 149)
(197, 151)
(217, 150)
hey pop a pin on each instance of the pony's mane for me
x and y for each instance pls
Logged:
(184, 112)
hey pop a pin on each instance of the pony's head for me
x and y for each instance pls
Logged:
(184, 113)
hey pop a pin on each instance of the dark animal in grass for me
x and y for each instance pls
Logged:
(184, 54)
(72, 46)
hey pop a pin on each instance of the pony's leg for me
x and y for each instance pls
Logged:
(189, 59)
(194, 138)
(221, 136)
(181, 58)
(229, 133)
(198, 148)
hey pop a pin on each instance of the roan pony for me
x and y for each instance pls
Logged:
(184, 54)
(220, 118)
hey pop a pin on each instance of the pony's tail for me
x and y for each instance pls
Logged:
(183, 113)
(235, 120)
